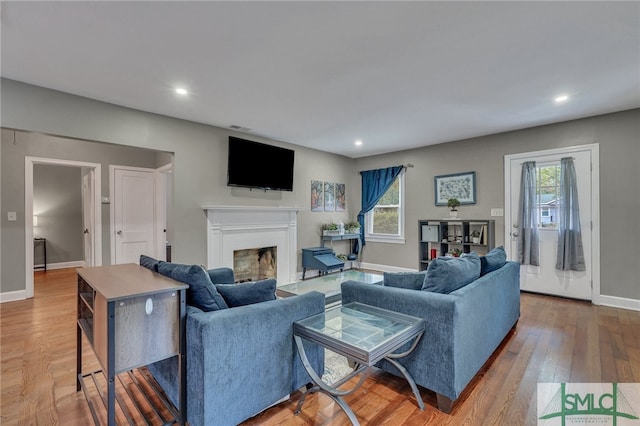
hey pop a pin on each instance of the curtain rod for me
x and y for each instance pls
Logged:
(408, 165)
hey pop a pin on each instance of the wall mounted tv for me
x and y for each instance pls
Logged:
(258, 165)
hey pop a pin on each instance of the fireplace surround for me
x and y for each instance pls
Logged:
(233, 228)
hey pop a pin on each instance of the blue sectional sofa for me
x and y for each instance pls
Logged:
(464, 326)
(240, 360)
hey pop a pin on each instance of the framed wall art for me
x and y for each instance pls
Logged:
(329, 198)
(458, 185)
(340, 197)
(317, 201)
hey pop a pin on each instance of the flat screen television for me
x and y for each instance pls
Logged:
(258, 165)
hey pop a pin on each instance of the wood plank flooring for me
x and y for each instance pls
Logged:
(556, 340)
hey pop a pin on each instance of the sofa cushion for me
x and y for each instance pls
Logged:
(493, 260)
(408, 280)
(247, 293)
(445, 276)
(201, 293)
(149, 262)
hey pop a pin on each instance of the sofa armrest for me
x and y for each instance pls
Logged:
(243, 359)
(221, 276)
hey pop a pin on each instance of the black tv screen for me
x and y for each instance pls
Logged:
(258, 165)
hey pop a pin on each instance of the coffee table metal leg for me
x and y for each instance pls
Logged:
(330, 391)
(392, 359)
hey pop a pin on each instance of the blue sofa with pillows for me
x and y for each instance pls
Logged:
(241, 357)
(469, 304)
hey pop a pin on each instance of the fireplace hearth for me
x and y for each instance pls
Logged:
(255, 264)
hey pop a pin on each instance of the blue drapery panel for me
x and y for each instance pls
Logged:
(374, 184)
(570, 251)
(528, 244)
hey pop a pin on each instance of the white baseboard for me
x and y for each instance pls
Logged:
(62, 265)
(385, 268)
(619, 302)
(11, 296)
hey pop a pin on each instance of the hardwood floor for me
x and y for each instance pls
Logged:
(556, 340)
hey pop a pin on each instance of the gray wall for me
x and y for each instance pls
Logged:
(16, 145)
(57, 201)
(200, 176)
(200, 156)
(619, 138)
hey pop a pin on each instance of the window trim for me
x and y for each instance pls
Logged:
(389, 238)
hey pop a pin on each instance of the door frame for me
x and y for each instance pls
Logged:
(595, 203)
(158, 214)
(95, 170)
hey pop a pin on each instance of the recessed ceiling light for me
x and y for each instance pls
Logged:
(561, 98)
(181, 91)
(358, 142)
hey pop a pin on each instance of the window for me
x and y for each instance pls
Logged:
(385, 223)
(548, 183)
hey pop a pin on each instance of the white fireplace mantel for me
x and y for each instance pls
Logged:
(232, 228)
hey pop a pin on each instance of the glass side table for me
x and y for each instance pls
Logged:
(364, 335)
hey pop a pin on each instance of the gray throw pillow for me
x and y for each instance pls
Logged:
(493, 260)
(407, 280)
(445, 276)
(247, 293)
(201, 293)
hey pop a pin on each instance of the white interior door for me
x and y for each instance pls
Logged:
(545, 278)
(88, 213)
(133, 208)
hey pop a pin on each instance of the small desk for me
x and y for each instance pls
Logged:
(40, 242)
(363, 334)
(131, 317)
(341, 237)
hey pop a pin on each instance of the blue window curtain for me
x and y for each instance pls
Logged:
(570, 250)
(374, 184)
(528, 243)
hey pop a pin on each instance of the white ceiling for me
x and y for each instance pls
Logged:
(396, 75)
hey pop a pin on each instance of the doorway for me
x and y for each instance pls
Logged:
(545, 278)
(91, 178)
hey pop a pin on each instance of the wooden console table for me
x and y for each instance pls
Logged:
(132, 317)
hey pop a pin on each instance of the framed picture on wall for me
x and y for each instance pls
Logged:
(458, 185)
(340, 197)
(329, 197)
(316, 195)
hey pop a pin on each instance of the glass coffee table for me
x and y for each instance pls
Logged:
(364, 335)
(328, 284)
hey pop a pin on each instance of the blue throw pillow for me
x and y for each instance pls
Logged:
(408, 280)
(493, 260)
(201, 293)
(149, 262)
(248, 293)
(445, 276)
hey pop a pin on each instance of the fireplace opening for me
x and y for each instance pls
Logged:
(255, 264)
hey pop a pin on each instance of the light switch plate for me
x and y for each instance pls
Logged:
(11, 216)
(497, 212)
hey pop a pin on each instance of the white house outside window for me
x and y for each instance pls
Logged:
(548, 186)
(385, 222)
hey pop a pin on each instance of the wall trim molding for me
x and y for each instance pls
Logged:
(619, 302)
(385, 268)
(64, 265)
(12, 296)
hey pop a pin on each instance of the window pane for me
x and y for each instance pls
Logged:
(386, 220)
(392, 196)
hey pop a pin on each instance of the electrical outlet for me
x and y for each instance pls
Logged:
(11, 216)
(497, 212)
